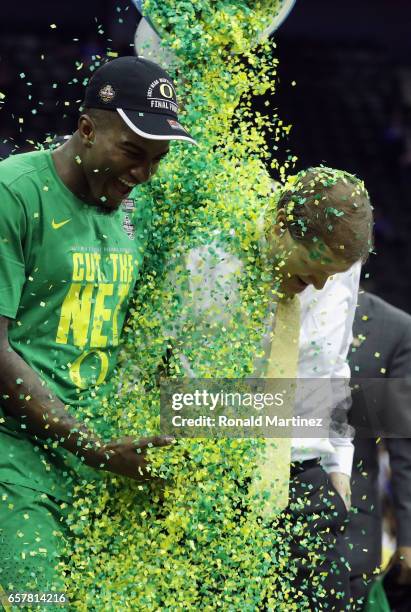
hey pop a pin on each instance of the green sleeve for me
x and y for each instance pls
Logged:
(12, 266)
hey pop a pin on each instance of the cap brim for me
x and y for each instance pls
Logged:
(155, 126)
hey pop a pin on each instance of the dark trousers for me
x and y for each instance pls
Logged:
(313, 525)
(364, 534)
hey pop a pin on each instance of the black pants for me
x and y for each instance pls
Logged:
(364, 533)
(313, 524)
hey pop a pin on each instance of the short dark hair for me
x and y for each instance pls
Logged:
(330, 205)
(101, 117)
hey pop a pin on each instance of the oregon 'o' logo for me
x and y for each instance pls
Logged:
(166, 90)
(81, 381)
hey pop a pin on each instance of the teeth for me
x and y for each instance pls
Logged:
(127, 183)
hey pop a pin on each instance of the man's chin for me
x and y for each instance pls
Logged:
(110, 207)
(107, 205)
(110, 199)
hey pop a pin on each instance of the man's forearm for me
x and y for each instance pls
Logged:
(25, 397)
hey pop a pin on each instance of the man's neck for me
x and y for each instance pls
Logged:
(69, 169)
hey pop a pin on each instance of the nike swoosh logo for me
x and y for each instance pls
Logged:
(55, 225)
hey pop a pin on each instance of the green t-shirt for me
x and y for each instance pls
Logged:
(67, 271)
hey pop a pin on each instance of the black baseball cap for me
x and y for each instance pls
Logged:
(142, 93)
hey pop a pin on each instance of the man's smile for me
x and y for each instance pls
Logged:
(127, 183)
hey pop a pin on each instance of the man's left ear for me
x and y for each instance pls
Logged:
(87, 130)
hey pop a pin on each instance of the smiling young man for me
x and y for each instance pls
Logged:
(72, 240)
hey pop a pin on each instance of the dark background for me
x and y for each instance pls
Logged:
(350, 107)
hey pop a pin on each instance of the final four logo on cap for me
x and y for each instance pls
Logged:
(107, 93)
(142, 93)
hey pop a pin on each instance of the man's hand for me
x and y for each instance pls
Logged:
(127, 456)
(402, 558)
(30, 402)
(341, 482)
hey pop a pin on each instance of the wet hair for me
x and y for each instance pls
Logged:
(332, 206)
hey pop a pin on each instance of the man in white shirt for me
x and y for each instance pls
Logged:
(321, 467)
(327, 317)
(321, 227)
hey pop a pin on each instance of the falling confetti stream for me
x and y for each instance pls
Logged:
(195, 542)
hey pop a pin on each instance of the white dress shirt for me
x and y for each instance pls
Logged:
(326, 332)
(327, 317)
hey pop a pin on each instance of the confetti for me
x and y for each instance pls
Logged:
(222, 184)
(210, 548)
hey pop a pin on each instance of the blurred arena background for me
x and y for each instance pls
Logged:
(350, 105)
